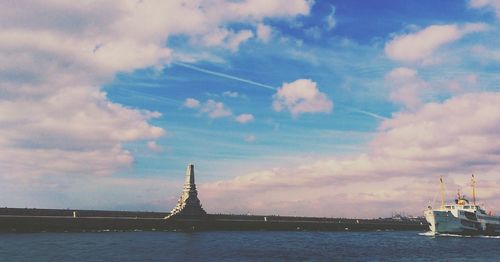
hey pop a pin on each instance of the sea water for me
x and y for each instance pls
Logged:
(247, 246)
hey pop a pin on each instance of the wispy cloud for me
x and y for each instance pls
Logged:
(330, 19)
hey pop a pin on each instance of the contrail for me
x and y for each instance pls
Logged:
(368, 113)
(210, 72)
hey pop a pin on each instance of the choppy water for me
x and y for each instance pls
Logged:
(246, 246)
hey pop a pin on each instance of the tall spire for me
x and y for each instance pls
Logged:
(190, 176)
(188, 204)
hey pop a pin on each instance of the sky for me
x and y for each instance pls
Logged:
(292, 107)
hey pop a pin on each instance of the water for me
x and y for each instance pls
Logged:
(246, 246)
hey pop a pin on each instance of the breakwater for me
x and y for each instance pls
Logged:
(60, 220)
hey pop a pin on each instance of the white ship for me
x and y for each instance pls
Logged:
(462, 217)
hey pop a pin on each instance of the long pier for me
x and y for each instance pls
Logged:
(61, 220)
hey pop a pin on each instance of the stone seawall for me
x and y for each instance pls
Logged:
(59, 220)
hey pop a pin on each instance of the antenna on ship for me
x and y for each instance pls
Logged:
(442, 192)
(473, 189)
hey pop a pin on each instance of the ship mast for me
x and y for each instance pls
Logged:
(442, 192)
(473, 189)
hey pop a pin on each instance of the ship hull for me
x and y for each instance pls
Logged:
(444, 222)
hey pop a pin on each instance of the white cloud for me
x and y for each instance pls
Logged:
(227, 38)
(66, 131)
(419, 47)
(231, 94)
(191, 103)
(244, 118)
(330, 20)
(491, 4)
(406, 87)
(55, 56)
(214, 109)
(301, 96)
(264, 32)
(454, 138)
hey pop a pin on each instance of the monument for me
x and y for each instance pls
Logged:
(188, 205)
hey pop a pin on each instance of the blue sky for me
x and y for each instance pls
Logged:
(374, 98)
(347, 62)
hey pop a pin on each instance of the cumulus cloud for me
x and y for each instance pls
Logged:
(301, 96)
(419, 47)
(64, 132)
(215, 109)
(210, 108)
(56, 55)
(244, 118)
(401, 167)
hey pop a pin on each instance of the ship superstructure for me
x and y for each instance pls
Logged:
(462, 217)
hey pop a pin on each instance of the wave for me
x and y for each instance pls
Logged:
(432, 234)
